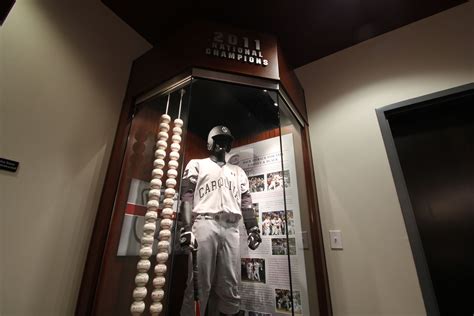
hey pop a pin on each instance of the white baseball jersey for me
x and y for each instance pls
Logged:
(256, 266)
(249, 267)
(218, 189)
(278, 221)
(266, 224)
(256, 272)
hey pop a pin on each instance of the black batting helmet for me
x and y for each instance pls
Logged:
(219, 130)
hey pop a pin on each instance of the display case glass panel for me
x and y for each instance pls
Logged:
(303, 274)
(118, 267)
(267, 147)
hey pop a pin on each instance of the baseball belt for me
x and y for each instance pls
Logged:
(226, 217)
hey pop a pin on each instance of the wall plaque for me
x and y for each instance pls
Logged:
(8, 165)
(239, 48)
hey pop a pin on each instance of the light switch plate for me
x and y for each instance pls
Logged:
(336, 239)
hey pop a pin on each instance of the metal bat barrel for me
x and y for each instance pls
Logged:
(195, 276)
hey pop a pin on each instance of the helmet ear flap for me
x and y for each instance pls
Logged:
(210, 144)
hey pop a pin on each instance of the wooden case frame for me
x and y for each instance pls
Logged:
(152, 74)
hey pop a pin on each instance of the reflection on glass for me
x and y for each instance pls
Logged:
(255, 189)
(303, 293)
(119, 267)
(224, 245)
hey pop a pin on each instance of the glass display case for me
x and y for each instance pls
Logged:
(276, 278)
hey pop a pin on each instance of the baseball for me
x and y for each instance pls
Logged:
(170, 192)
(156, 308)
(176, 138)
(160, 269)
(167, 212)
(145, 252)
(159, 163)
(163, 245)
(163, 136)
(141, 279)
(161, 144)
(159, 281)
(154, 194)
(170, 182)
(174, 155)
(157, 294)
(143, 265)
(151, 216)
(165, 118)
(162, 257)
(168, 202)
(157, 173)
(173, 164)
(164, 127)
(160, 153)
(166, 223)
(177, 130)
(175, 147)
(156, 183)
(172, 173)
(165, 234)
(137, 308)
(149, 227)
(139, 293)
(152, 205)
(147, 240)
(178, 122)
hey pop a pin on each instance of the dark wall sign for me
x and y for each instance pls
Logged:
(8, 165)
(207, 46)
(216, 47)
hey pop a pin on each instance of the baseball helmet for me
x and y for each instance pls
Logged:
(219, 130)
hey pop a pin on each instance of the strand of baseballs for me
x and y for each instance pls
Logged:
(167, 216)
(151, 216)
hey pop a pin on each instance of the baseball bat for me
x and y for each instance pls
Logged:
(186, 217)
(197, 305)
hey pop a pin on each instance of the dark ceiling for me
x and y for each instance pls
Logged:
(307, 30)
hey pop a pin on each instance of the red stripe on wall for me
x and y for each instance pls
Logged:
(133, 209)
(140, 210)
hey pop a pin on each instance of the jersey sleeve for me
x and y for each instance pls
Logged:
(190, 176)
(246, 201)
(244, 182)
(191, 171)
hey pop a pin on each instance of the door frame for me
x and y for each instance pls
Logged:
(383, 115)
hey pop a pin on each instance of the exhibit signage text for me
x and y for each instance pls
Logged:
(8, 165)
(243, 49)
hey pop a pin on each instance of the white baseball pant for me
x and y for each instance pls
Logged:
(218, 259)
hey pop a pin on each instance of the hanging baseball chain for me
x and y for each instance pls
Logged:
(167, 216)
(151, 216)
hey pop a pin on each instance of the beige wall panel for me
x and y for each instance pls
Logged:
(64, 67)
(375, 273)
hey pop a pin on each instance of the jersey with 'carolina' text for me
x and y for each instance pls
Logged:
(217, 188)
